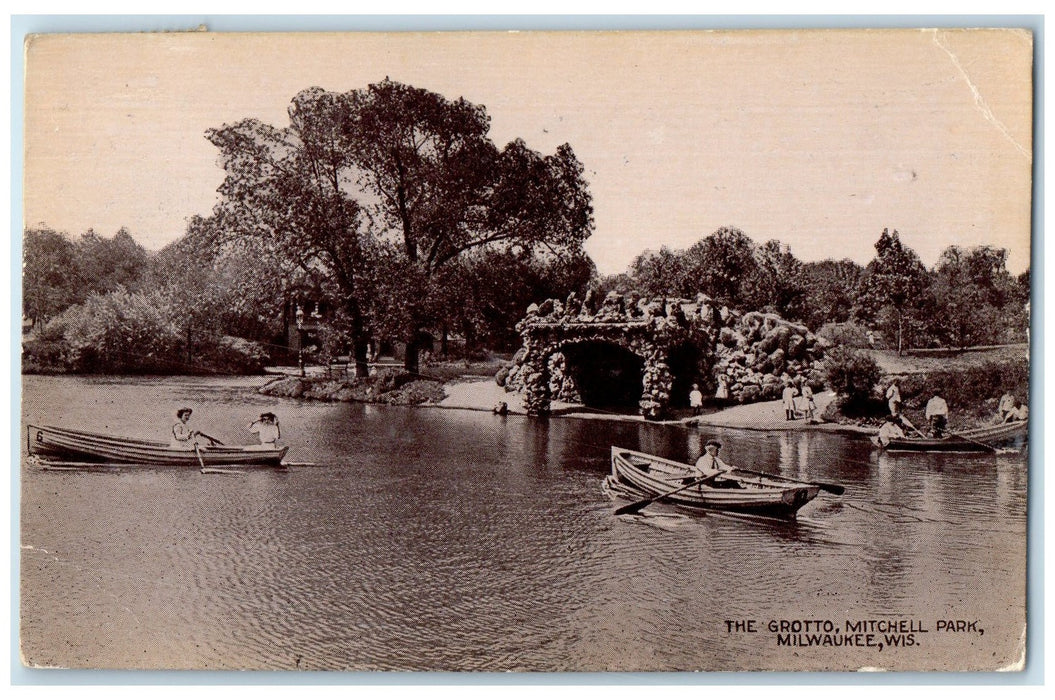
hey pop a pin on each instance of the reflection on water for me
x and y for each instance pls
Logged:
(451, 540)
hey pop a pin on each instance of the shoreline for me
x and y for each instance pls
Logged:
(762, 416)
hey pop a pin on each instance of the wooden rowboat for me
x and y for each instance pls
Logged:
(46, 441)
(640, 475)
(976, 440)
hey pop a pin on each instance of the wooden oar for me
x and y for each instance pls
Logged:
(909, 423)
(836, 489)
(977, 442)
(198, 452)
(210, 438)
(638, 505)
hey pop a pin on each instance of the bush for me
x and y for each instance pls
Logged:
(847, 334)
(851, 374)
(968, 389)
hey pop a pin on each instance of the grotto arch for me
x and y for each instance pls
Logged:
(570, 349)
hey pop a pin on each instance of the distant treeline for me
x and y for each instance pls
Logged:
(967, 299)
(391, 211)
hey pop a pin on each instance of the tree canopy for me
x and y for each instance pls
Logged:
(379, 189)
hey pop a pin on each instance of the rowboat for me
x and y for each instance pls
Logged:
(641, 475)
(975, 440)
(51, 442)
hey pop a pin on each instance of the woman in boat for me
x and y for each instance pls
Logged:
(267, 429)
(1006, 406)
(1019, 412)
(183, 436)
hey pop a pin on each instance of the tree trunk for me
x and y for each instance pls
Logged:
(410, 361)
(362, 366)
(443, 342)
(899, 333)
(360, 339)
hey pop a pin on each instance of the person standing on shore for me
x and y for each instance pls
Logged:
(937, 413)
(696, 400)
(722, 393)
(811, 405)
(268, 430)
(789, 401)
(893, 397)
(183, 436)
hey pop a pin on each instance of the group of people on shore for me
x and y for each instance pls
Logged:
(186, 438)
(936, 413)
(808, 405)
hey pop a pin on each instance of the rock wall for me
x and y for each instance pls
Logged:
(741, 357)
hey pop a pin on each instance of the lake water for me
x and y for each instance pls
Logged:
(444, 540)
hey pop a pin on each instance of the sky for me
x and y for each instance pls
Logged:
(820, 139)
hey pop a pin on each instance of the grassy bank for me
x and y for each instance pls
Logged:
(971, 381)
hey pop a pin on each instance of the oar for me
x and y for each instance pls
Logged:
(200, 460)
(977, 442)
(210, 438)
(909, 423)
(836, 489)
(638, 505)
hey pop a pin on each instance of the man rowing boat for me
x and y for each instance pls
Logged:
(710, 467)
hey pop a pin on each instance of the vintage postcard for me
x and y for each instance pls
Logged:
(527, 351)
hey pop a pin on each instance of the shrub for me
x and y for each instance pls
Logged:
(846, 334)
(851, 374)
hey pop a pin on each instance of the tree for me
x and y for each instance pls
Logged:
(287, 189)
(894, 279)
(437, 181)
(721, 264)
(972, 288)
(829, 288)
(50, 280)
(777, 283)
(662, 273)
(375, 191)
(106, 264)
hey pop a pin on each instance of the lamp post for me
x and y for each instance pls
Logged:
(300, 339)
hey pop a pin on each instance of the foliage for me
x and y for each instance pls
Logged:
(851, 335)
(968, 387)
(829, 291)
(894, 279)
(59, 272)
(973, 288)
(126, 332)
(375, 192)
(851, 374)
(777, 284)
(49, 282)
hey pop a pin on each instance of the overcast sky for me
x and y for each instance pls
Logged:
(819, 139)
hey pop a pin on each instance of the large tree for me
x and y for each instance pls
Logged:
(50, 281)
(290, 190)
(829, 288)
(442, 188)
(895, 281)
(972, 287)
(378, 190)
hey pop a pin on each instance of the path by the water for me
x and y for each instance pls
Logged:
(484, 395)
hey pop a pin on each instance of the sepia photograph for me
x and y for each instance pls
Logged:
(526, 351)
